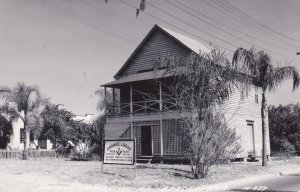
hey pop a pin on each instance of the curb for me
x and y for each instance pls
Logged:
(225, 186)
(228, 184)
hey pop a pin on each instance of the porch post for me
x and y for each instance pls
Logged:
(160, 119)
(114, 99)
(131, 111)
(105, 103)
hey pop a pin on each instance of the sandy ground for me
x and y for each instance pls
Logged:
(63, 175)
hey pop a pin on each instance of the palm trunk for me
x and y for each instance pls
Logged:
(264, 128)
(26, 143)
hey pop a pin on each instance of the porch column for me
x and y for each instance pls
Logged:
(113, 95)
(105, 103)
(131, 111)
(114, 101)
(160, 119)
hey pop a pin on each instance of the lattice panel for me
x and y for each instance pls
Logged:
(137, 135)
(156, 139)
(173, 137)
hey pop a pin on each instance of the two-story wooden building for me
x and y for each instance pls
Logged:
(155, 123)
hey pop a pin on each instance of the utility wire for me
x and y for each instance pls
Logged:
(257, 28)
(252, 22)
(215, 27)
(171, 15)
(220, 23)
(261, 24)
(226, 12)
(82, 21)
(116, 14)
(170, 24)
(64, 27)
(231, 34)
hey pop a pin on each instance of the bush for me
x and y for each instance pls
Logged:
(211, 142)
(285, 129)
(95, 153)
(286, 150)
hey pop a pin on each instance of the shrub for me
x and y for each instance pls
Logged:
(286, 150)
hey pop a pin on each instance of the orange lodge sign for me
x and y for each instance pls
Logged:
(119, 152)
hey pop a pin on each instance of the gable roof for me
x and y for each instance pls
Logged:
(138, 77)
(189, 43)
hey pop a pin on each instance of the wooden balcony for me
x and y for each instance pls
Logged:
(140, 107)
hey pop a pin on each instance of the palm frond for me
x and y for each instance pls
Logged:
(10, 112)
(245, 60)
(5, 93)
(282, 73)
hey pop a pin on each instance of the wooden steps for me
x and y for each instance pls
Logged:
(144, 159)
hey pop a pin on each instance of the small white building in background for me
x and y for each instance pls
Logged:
(17, 139)
(87, 118)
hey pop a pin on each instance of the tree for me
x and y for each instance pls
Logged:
(5, 131)
(61, 128)
(108, 98)
(200, 84)
(56, 126)
(258, 64)
(285, 129)
(23, 102)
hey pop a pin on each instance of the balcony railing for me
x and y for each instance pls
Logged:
(148, 106)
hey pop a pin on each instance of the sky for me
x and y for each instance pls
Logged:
(68, 48)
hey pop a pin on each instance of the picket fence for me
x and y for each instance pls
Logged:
(8, 154)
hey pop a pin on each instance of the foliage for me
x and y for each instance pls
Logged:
(87, 138)
(285, 129)
(96, 136)
(258, 65)
(108, 96)
(211, 142)
(71, 137)
(57, 127)
(142, 7)
(201, 83)
(5, 131)
(26, 103)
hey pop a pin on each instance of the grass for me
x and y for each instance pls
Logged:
(140, 175)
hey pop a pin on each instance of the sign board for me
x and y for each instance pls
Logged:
(119, 152)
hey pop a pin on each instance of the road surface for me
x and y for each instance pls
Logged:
(277, 183)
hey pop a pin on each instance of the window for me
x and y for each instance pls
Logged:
(42, 144)
(251, 137)
(256, 98)
(256, 95)
(242, 96)
(22, 135)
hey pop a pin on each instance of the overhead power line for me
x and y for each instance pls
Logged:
(262, 24)
(248, 21)
(185, 22)
(31, 15)
(237, 17)
(229, 33)
(170, 24)
(67, 14)
(167, 13)
(220, 23)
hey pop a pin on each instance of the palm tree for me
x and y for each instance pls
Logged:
(23, 102)
(258, 65)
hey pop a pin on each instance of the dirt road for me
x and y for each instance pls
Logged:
(43, 183)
